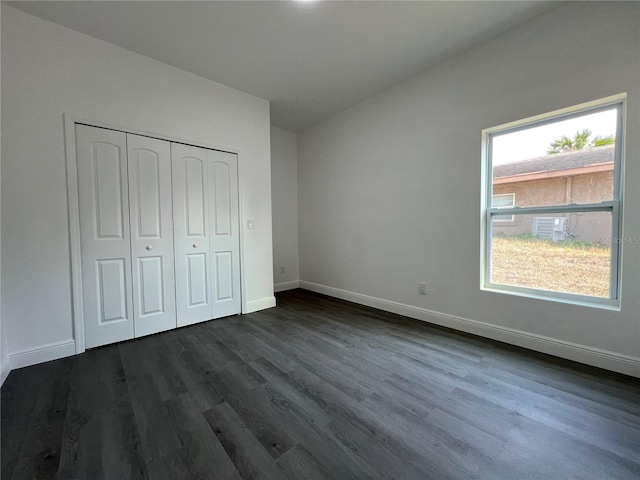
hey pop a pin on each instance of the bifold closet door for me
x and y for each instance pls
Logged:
(206, 233)
(225, 233)
(159, 234)
(103, 195)
(191, 233)
(152, 259)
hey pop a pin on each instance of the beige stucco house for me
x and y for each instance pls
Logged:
(583, 176)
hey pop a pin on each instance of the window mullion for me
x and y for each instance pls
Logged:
(571, 208)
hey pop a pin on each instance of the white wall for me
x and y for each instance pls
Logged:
(284, 198)
(4, 356)
(48, 70)
(389, 190)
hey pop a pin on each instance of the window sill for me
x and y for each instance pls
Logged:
(571, 299)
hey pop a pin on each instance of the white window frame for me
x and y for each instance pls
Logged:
(614, 206)
(513, 204)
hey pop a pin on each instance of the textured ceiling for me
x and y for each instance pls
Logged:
(310, 59)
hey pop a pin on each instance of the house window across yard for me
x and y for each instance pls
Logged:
(503, 200)
(559, 240)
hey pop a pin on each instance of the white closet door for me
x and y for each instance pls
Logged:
(104, 235)
(225, 235)
(191, 233)
(151, 234)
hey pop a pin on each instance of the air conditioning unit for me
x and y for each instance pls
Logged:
(551, 228)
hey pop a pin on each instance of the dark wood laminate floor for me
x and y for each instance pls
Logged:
(318, 388)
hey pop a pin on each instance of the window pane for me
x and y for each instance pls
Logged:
(568, 253)
(503, 200)
(567, 161)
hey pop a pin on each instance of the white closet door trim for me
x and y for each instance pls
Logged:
(70, 122)
(74, 233)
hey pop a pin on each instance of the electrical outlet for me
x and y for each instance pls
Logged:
(281, 270)
(422, 288)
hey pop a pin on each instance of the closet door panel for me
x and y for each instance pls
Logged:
(198, 287)
(152, 301)
(194, 196)
(225, 233)
(191, 233)
(151, 234)
(112, 286)
(103, 196)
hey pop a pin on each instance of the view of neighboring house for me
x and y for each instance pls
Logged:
(583, 176)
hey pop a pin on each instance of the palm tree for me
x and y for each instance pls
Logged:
(579, 141)
(600, 141)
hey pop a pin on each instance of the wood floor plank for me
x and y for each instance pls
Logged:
(253, 408)
(197, 370)
(256, 342)
(200, 447)
(305, 421)
(158, 359)
(318, 388)
(332, 372)
(101, 436)
(537, 451)
(39, 455)
(284, 391)
(384, 454)
(299, 463)
(246, 452)
(157, 439)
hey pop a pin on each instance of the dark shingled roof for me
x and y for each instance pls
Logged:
(559, 161)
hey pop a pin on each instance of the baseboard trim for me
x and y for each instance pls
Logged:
(608, 360)
(5, 370)
(41, 354)
(261, 304)
(281, 287)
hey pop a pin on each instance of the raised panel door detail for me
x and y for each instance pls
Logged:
(106, 159)
(221, 198)
(198, 288)
(224, 275)
(112, 286)
(225, 234)
(151, 292)
(105, 238)
(152, 246)
(195, 199)
(148, 194)
(192, 222)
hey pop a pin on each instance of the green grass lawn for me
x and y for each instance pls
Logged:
(572, 267)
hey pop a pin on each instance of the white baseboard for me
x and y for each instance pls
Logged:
(41, 354)
(261, 304)
(580, 353)
(5, 370)
(281, 287)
